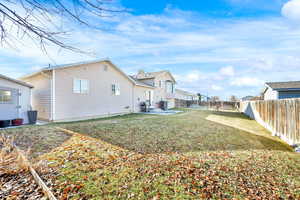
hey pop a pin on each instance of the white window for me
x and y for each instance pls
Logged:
(81, 86)
(170, 87)
(161, 84)
(5, 96)
(173, 88)
(115, 88)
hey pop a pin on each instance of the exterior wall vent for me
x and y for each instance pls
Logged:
(105, 68)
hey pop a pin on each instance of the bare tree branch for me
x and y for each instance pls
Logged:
(34, 19)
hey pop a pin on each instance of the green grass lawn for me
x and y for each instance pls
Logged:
(186, 132)
(184, 156)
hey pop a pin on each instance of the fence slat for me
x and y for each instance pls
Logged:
(281, 117)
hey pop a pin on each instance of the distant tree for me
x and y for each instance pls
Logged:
(37, 19)
(233, 98)
(199, 97)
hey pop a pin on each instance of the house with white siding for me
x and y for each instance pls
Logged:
(86, 90)
(15, 99)
(281, 90)
(163, 83)
(185, 95)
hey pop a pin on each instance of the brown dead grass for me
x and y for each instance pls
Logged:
(10, 160)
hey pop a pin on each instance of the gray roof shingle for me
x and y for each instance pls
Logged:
(149, 75)
(138, 82)
(16, 81)
(284, 85)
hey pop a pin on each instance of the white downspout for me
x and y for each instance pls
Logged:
(133, 98)
(19, 102)
(53, 96)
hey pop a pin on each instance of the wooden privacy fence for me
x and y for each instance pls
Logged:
(281, 117)
(179, 103)
(223, 105)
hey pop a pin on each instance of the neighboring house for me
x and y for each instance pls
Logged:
(185, 95)
(247, 98)
(163, 83)
(282, 90)
(251, 98)
(85, 90)
(15, 99)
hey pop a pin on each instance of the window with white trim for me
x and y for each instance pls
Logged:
(5, 96)
(81, 86)
(170, 87)
(115, 88)
(161, 84)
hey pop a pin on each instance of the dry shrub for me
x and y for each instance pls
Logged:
(11, 161)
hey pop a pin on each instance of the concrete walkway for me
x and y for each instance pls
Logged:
(163, 112)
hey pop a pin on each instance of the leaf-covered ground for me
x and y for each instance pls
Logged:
(183, 156)
(93, 169)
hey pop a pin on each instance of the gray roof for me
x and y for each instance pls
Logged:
(246, 98)
(75, 64)
(152, 75)
(138, 82)
(16, 81)
(49, 68)
(284, 85)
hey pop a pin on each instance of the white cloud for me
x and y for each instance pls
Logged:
(191, 77)
(227, 71)
(246, 81)
(10, 71)
(216, 88)
(291, 10)
(191, 46)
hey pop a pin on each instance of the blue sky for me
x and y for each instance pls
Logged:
(215, 47)
(211, 8)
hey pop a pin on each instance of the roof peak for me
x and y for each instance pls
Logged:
(50, 67)
(152, 75)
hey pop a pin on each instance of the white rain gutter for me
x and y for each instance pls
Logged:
(53, 96)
